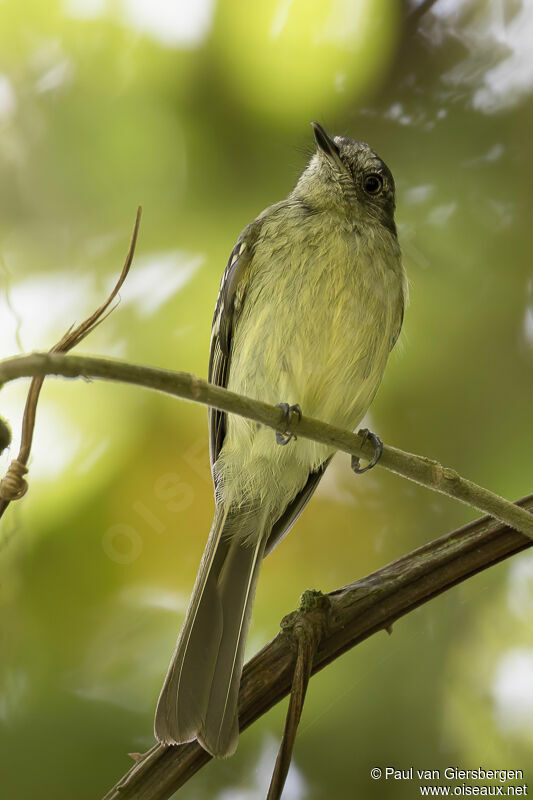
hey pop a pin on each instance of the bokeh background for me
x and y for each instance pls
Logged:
(200, 112)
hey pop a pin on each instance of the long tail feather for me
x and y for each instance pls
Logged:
(237, 584)
(200, 693)
(185, 693)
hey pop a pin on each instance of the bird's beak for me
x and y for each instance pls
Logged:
(327, 145)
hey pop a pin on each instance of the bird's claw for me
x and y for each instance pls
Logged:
(288, 412)
(378, 450)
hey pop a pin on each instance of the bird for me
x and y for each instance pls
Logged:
(310, 305)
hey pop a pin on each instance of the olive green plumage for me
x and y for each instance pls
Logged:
(310, 305)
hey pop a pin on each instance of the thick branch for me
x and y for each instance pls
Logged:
(356, 612)
(180, 384)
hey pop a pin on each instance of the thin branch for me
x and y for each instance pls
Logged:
(181, 384)
(357, 611)
(14, 486)
(307, 627)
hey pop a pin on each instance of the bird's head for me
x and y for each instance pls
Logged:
(347, 178)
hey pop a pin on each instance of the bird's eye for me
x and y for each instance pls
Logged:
(373, 184)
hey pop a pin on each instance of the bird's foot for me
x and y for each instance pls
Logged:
(288, 413)
(378, 450)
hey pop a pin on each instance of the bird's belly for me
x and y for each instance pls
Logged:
(326, 352)
(308, 335)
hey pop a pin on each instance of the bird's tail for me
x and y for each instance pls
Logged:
(200, 693)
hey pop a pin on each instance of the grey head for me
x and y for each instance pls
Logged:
(348, 179)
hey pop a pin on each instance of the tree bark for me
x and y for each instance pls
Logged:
(348, 616)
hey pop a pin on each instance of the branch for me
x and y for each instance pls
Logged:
(14, 486)
(181, 384)
(355, 612)
(307, 627)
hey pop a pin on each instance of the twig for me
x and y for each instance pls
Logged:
(181, 384)
(357, 611)
(13, 486)
(307, 627)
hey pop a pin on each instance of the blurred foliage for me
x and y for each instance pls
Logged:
(200, 112)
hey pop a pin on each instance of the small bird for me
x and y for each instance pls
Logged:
(310, 305)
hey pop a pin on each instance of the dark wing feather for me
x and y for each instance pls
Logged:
(401, 309)
(232, 285)
(295, 508)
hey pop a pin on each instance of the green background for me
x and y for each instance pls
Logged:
(200, 112)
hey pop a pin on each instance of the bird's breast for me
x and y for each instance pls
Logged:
(316, 323)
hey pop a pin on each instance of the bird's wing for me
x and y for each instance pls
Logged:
(281, 528)
(400, 313)
(232, 287)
